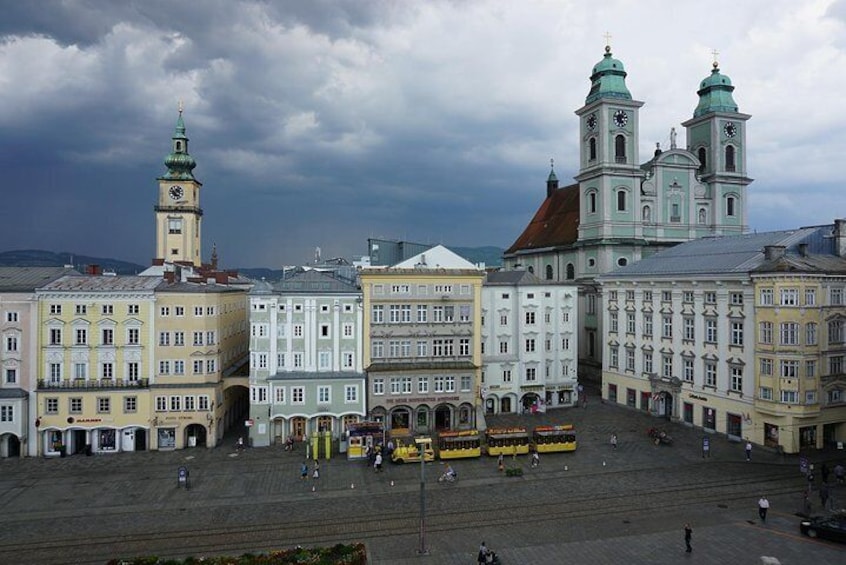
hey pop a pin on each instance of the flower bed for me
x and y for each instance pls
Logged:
(354, 554)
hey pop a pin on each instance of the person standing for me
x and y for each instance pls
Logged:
(315, 474)
(499, 463)
(763, 506)
(483, 553)
(535, 459)
(377, 465)
(749, 451)
(688, 533)
(614, 441)
(304, 470)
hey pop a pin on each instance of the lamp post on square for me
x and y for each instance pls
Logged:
(423, 444)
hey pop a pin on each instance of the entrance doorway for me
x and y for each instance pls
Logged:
(11, 446)
(78, 438)
(443, 418)
(195, 435)
(298, 428)
(140, 439)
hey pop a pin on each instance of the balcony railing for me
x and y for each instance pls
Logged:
(76, 384)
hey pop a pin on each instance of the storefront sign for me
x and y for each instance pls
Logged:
(697, 397)
(88, 420)
(406, 400)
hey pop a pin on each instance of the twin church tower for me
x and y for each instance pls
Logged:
(622, 210)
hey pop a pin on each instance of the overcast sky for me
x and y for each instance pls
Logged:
(323, 123)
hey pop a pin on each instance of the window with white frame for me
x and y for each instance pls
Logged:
(279, 394)
(298, 330)
(81, 335)
(810, 397)
(810, 333)
(647, 362)
(80, 370)
(52, 405)
(466, 383)
(836, 297)
(811, 368)
(667, 327)
(666, 366)
(133, 336)
(630, 359)
(736, 298)
(298, 360)
(689, 328)
(161, 403)
(422, 385)
(190, 403)
(765, 332)
(710, 374)
(765, 297)
(614, 358)
(439, 383)
(11, 343)
(530, 345)
(630, 323)
(450, 383)
(7, 413)
(612, 317)
(324, 395)
(179, 339)
(297, 395)
(835, 332)
(104, 404)
(766, 366)
(12, 317)
(647, 324)
(688, 370)
(348, 330)
(350, 393)
(378, 314)
(164, 339)
(324, 359)
(347, 360)
(709, 297)
(11, 376)
(789, 333)
(789, 397)
(422, 348)
(378, 386)
(736, 378)
(789, 369)
(531, 374)
(179, 367)
(765, 393)
(75, 405)
(506, 375)
(736, 333)
(810, 297)
(211, 366)
(406, 385)
(789, 297)
(198, 367)
(835, 365)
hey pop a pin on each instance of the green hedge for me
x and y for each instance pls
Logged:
(339, 554)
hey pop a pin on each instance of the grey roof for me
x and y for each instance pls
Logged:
(724, 255)
(312, 281)
(13, 393)
(102, 283)
(512, 278)
(27, 279)
(197, 287)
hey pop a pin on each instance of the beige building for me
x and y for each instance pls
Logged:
(800, 346)
(422, 344)
(200, 340)
(738, 335)
(95, 359)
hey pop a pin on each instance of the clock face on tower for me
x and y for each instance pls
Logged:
(621, 118)
(730, 129)
(591, 122)
(176, 192)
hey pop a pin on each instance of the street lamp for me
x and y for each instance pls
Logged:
(423, 443)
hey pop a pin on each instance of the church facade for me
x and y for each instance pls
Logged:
(622, 209)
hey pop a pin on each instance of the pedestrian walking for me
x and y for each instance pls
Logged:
(688, 533)
(763, 506)
(499, 464)
(824, 495)
(806, 505)
(614, 441)
(483, 553)
(749, 451)
(839, 473)
(377, 465)
(535, 459)
(315, 474)
(304, 470)
(824, 473)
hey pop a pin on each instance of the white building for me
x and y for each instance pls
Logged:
(529, 343)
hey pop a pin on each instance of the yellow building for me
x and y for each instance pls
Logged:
(201, 339)
(95, 360)
(800, 316)
(422, 344)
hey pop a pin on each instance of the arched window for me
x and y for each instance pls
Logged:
(549, 272)
(620, 149)
(621, 200)
(571, 272)
(730, 158)
(592, 203)
(592, 149)
(702, 158)
(647, 214)
(730, 211)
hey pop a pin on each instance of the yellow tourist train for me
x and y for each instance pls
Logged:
(459, 444)
(507, 441)
(406, 449)
(551, 439)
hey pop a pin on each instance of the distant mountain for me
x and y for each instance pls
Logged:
(489, 255)
(39, 258)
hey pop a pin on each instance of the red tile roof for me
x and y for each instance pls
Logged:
(555, 223)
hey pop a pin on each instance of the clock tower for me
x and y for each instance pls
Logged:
(178, 213)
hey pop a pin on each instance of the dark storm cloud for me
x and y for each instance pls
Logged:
(322, 123)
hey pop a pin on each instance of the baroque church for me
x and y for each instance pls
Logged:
(620, 209)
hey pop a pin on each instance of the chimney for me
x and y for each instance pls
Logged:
(803, 249)
(840, 237)
(93, 270)
(773, 252)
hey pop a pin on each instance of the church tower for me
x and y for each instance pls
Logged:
(178, 213)
(716, 135)
(609, 168)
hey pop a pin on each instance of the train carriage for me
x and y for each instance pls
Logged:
(454, 444)
(553, 439)
(507, 441)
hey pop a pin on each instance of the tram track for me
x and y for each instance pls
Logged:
(560, 505)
